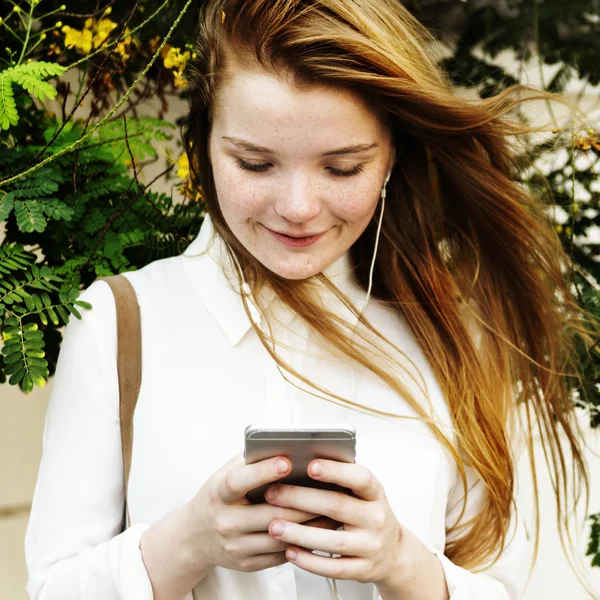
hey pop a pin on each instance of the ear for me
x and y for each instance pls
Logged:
(393, 159)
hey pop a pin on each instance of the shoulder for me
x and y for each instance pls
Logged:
(161, 279)
(163, 274)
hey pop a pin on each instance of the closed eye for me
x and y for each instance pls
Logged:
(260, 168)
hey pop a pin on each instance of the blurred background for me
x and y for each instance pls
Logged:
(87, 214)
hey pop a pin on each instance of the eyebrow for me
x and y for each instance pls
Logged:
(354, 149)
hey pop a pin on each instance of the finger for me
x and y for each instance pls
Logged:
(351, 568)
(258, 517)
(254, 543)
(336, 505)
(240, 479)
(346, 543)
(258, 562)
(349, 475)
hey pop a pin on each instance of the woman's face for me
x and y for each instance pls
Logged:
(278, 166)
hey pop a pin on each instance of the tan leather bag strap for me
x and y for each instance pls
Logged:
(129, 367)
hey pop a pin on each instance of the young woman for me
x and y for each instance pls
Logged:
(366, 257)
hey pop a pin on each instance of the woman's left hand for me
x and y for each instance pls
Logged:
(374, 547)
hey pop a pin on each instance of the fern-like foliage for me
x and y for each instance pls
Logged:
(25, 298)
(89, 218)
(30, 77)
(32, 199)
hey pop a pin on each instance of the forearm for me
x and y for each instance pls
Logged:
(173, 567)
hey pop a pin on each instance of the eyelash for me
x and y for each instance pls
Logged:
(263, 167)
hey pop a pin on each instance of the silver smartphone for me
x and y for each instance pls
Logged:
(301, 443)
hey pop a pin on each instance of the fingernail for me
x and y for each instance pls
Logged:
(281, 466)
(317, 468)
(292, 554)
(277, 529)
(271, 492)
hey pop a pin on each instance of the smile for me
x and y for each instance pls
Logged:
(297, 242)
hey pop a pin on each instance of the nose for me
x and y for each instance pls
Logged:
(299, 202)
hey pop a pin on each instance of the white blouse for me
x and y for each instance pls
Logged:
(206, 376)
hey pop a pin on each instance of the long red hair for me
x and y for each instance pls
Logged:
(463, 246)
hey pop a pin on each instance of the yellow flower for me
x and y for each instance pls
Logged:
(93, 34)
(585, 141)
(102, 31)
(154, 43)
(175, 59)
(82, 40)
(122, 47)
(184, 166)
(179, 80)
(189, 192)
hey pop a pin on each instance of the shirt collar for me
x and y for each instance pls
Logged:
(213, 276)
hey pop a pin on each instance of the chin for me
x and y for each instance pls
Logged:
(294, 273)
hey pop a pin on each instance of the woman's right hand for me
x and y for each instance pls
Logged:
(226, 530)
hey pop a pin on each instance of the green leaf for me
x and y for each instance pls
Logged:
(43, 318)
(8, 107)
(34, 344)
(40, 89)
(7, 200)
(30, 303)
(30, 326)
(63, 313)
(11, 332)
(21, 292)
(27, 384)
(34, 335)
(35, 353)
(83, 304)
(30, 216)
(37, 362)
(55, 209)
(11, 345)
(36, 378)
(38, 68)
(73, 311)
(52, 315)
(29, 76)
(12, 263)
(17, 377)
(40, 371)
(11, 358)
(13, 368)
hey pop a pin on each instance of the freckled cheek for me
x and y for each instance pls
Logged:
(245, 206)
(354, 207)
(240, 201)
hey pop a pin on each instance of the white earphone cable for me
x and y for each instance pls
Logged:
(364, 306)
(256, 317)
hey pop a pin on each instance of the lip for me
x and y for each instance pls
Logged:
(296, 242)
